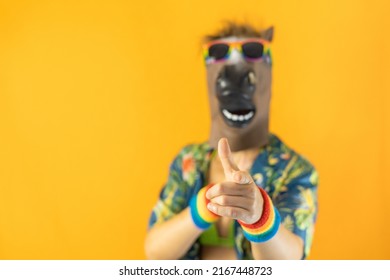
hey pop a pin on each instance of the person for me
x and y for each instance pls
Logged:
(243, 194)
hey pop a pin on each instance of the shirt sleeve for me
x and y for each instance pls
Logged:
(172, 199)
(298, 204)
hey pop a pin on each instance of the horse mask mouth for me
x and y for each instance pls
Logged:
(235, 87)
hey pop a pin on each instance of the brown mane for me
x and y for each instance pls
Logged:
(230, 29)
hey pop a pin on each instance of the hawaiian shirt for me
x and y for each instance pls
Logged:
(288, 178)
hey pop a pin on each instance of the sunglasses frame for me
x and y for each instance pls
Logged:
(235, 45)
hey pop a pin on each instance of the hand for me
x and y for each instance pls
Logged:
(238, 197)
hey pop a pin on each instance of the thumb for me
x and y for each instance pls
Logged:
(225, 155)
(242, 177)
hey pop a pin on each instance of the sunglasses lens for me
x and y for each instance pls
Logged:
(253, 49)
(218, 51)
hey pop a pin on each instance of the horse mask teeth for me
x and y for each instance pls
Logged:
(239, 96)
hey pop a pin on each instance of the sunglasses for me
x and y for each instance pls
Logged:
(250, 49)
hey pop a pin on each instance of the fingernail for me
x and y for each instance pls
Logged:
(240, 178)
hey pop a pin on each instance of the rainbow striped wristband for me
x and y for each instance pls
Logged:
(268, 224)
(202, 217)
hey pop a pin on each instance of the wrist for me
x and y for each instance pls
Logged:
(267, 225)
(200, 214)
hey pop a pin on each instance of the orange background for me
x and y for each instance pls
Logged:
(96, 98)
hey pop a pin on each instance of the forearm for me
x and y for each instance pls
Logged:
(173, 238)
(284, 245)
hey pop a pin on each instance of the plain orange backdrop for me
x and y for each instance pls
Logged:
(97, 97)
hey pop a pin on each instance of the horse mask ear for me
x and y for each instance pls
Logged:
(268, 34)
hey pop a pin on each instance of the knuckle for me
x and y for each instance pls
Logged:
(216, 210)
(220, 188)
(253, 192)
(224, 200)
(234, 214)
(247, 192)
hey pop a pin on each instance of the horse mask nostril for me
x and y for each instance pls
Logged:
(236, 79)
(221, 83)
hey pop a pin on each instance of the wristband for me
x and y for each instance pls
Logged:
(201, 215)
(268, 224)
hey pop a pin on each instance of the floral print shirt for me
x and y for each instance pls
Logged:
(289, 179)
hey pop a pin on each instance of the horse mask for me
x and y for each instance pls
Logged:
(239, 90)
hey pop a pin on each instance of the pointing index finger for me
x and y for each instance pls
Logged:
(226, 158)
